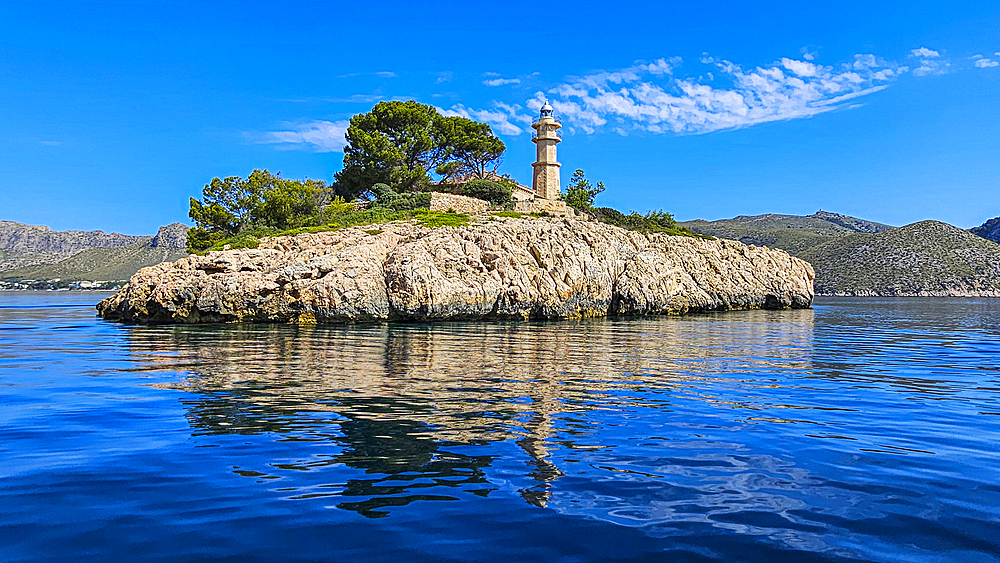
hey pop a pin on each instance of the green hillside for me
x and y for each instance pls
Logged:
(792, 233)
(925, 258)
(852, 256)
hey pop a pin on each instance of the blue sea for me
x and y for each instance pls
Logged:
(860, 430)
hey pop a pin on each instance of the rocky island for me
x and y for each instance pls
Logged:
(493, 269)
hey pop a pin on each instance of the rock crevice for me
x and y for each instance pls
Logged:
(491, 270)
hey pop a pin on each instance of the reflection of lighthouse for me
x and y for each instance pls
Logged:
(545, 176)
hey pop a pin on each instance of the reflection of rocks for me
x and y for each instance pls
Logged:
(396, 401)
(502, 269)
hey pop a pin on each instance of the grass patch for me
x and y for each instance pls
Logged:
(378, 215)
(428, 218)
(511, 214)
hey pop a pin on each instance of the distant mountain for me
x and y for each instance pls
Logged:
(853, 256)
(989, 230)
(793, 233)
(29, 252)
(925, 258)
(24, 245)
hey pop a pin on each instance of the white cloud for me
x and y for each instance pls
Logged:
(382, 74)
(320, 136)
(443, 77)
(801, 68)
(501, 81)
(986, 63)
(930, 62)
(925, 53)
(928, 66)
(639, 98)
(504, 117)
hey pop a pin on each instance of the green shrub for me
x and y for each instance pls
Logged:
(240, 241)
(384, 195)
(580, 193)
(412, 200)
(651, 222)
(488, 190)
(199, 240)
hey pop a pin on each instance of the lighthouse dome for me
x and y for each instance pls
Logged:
(546, 110)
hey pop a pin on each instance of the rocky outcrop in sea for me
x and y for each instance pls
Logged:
(493, 269)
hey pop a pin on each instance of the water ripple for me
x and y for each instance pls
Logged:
(860, 430)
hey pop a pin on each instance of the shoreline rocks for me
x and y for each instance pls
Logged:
(493, 269)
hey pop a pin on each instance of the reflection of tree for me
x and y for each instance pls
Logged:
(398, 401)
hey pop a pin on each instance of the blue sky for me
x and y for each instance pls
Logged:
(113, 114)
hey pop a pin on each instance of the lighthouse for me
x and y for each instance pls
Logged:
(545, 176)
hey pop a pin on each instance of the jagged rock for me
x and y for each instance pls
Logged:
(172, 236)
(495, 269)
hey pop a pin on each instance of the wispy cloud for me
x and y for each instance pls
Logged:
(501, 81)
(52, 143)
(443, 77)
(654, 97)
(983, 62)
(354, 99)
(504, 117)
(647, 96)
(380, 74)
(318, 136)
(925, 53)
(930, 62)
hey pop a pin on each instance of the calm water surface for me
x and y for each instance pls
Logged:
(863, 429)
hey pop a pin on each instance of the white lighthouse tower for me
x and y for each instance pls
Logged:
(545, 176)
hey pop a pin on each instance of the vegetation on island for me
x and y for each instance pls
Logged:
(400, 143)
(237, 213)
(391, 153)
(580, 196)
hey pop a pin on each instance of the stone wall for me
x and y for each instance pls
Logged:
(458, 203)
(550, 206)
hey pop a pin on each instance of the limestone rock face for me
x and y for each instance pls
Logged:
(495, 269)
(173, 236)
